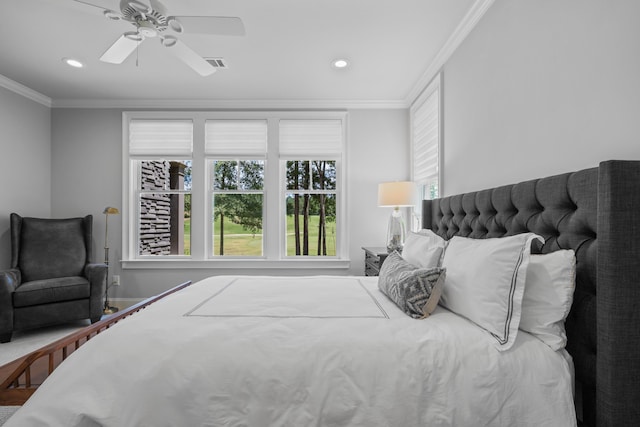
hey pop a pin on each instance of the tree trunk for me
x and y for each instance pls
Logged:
(305, 226)
(221, 233)
(322, 233)
(296, 208)
(306, 181)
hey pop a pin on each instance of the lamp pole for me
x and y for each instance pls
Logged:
(107, 211)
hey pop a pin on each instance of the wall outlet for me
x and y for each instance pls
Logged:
(115, 281)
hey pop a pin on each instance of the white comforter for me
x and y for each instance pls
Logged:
(300, 351)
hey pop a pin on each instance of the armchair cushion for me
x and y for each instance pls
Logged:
(47, 291)
(52, 248)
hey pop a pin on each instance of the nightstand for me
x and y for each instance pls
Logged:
(373, 259)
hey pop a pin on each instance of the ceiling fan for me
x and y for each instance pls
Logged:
(152, 20)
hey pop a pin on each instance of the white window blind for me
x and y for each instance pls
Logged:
(161, 137)
(426, 139)
(236, 137)
(310, 137)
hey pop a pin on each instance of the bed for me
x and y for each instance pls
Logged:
(358, 359)
(594, 212)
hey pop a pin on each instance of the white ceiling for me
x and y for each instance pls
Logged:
(284, 58)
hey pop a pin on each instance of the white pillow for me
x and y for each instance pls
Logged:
(548, 294)
(423, 249)
(485, 282)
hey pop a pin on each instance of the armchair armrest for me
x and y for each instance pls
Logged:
(96, 273)
(9, 281)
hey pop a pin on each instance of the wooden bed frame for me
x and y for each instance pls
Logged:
(20, 378)
(595, 212)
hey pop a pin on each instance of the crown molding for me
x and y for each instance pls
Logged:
(20, 89)
(227, 104)
(468, 23)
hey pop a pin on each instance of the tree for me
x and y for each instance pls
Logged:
(308, 176)
(324, 174)
(225, 173)
(248, 211)
(296, 207)
(322, 229)
(187, 186)
(241, 208)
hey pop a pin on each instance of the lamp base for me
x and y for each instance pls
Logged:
(395, 232)
(110, 310)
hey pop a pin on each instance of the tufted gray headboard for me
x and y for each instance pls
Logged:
(595, 212)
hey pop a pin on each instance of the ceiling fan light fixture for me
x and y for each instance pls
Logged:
(146, 29)
(168, 41)
(135, 36)
(174, 24)
(111, 15)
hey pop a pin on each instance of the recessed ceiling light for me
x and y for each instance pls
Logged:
(73, 62)
(340, 63)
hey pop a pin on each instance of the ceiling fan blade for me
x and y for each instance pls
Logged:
(217, 25)
(188, 56)
(121, 49)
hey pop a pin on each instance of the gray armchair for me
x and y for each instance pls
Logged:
(52, 278)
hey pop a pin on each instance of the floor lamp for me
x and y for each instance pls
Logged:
(108, 211)
(397, 195)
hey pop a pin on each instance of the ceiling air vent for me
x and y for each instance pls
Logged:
(216, 62)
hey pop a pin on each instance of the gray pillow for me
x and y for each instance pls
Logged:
(414, 290)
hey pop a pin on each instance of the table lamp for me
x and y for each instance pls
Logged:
(396, 194)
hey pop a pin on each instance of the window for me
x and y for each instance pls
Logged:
(162, 188)
(425, 116)
(236, 186)
(237, 204)
(311, 151)
(311, 207)
(164, 207)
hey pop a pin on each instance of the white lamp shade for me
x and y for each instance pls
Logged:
(398, 193)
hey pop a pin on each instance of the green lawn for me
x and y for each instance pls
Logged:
(187, 236)
(238, 241)
(313, 236)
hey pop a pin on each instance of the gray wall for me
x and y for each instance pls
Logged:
(87, 177)
(25, 144)
(542, 87)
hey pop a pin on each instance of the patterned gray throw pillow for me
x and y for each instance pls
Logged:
(415, 290)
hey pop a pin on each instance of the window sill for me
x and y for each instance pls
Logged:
(173, 263)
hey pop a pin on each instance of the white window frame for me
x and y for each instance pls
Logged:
(274, 252)
(283, 192)
(434, 88)
(210, 193)
(256, 150)
(137, 194)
